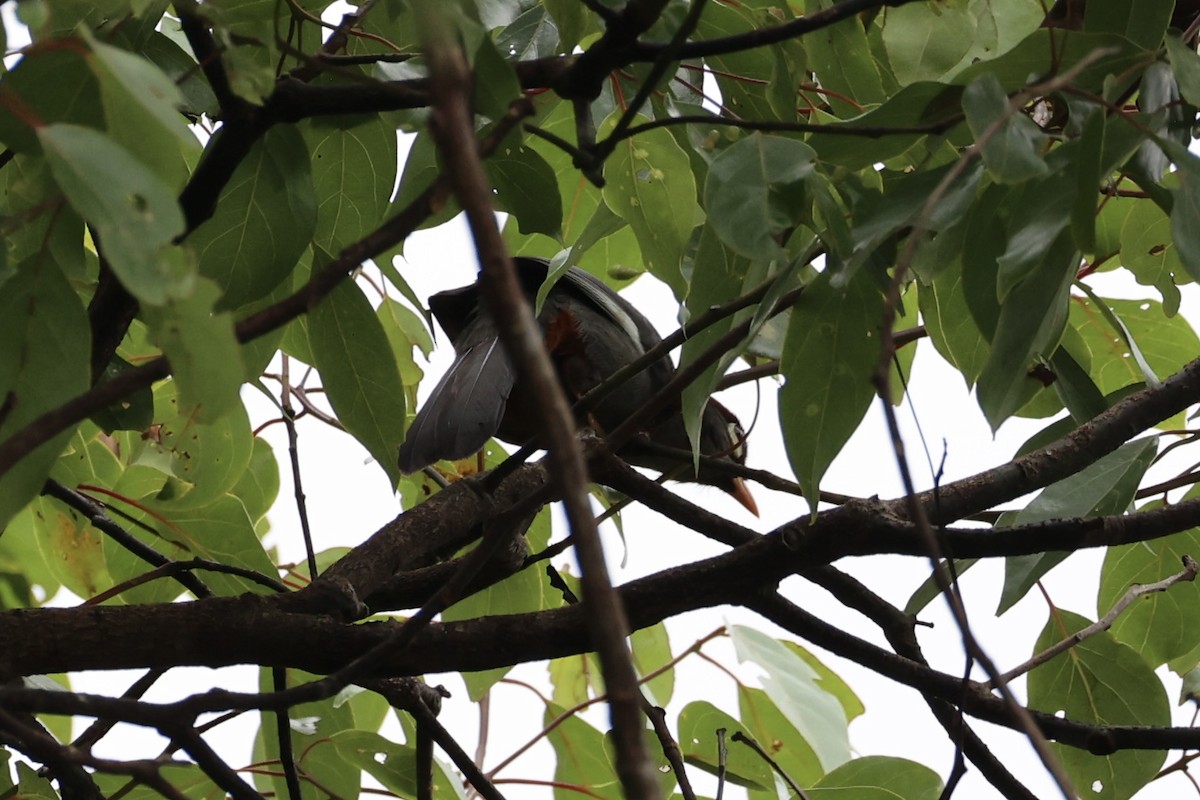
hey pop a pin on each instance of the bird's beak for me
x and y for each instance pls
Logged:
(740, 492)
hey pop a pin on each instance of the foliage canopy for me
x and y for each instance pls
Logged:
(188, 189)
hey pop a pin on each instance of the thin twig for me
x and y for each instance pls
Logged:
(749, 741)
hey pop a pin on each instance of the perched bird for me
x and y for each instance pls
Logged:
(590, 333)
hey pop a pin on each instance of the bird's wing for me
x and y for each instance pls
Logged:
(464, 410)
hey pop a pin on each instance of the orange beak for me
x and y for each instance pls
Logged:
(740, 492)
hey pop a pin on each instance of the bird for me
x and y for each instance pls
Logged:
(590, 332)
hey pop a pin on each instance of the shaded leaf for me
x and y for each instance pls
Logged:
(1104, 488)
(830, 351)
(363, 389)
(1100, 682)
(134, 212)
(264, 219)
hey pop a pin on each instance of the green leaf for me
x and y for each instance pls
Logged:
(830, 351)
(527, 188)
(421, 169)
(259, 485)
(796, 689)
(245, 32)
(220, 531)
(879, 778)
(1186, 64)
(925, 41)
(44, 362)
(204, 353)
(1104, 488)
(28, 187)
(650, 649)
(902, 201)
(180, 67)
(755, 83)
(405, 330)
(525, 591)
(841, 57)
(1047, 51)
(142, 106)
(951, 327)
(649, 184)
(264, 219)
(571, 19)
(363, 389)
(1041, 212)
(1031, 322)
(208, 458)
(717, 275)
(1184, 213)
(46, 87)
(393, 765)
(1013, 151)
(72, 549)
(749, 192)
(316, 730)
(1142, 22)
(1163, 344)
(533, 34)
(1101, 682)
(1146, 247)
(779, 737)
(582, 759)
(134, 212)
(1160, 626)
(496, 84)
(913, 106)
(830, 682)
(353, 169)
(698, 725)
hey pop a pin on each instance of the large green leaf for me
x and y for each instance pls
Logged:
(755, 83)
(880, 778)
(830, 351)
(264, 219)
(649, 184)
(141, 105)
(527, 188)
(797, 690)
(581, 758)
(43, 363)
(1143, 340)
(392, 764)
(841, 58)
(1100, 682)
(45, 87)
(1160, 626)
(204, 353)
(134, 212)
(750, 193)
(698, 725)
(353, 169)
(364, 389)
(1012, 150)
(1031, 322)
(1143, 22)
(773, 730)
(208, 457)
(1104, 488)
(926, 41)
